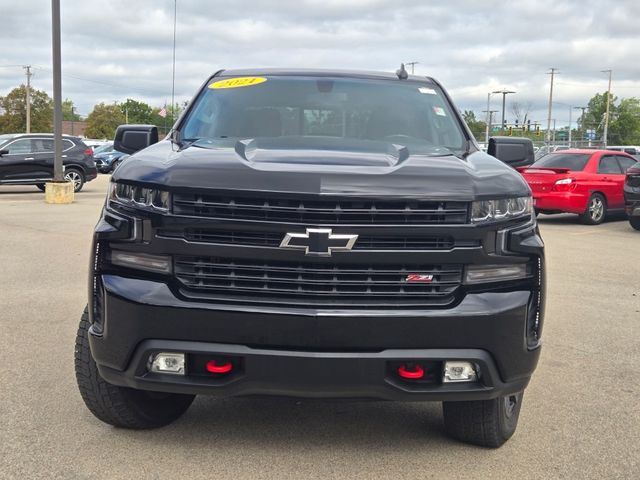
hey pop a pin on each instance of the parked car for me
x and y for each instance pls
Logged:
(632, 195)
(107, 158)
(95, 144)
(315, 234)
(545, 150)
(586, 182)
(27, 159)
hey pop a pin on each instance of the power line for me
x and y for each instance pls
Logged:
(99, 82)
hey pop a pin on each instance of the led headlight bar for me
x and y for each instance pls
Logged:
(487, 211)
(139, 197)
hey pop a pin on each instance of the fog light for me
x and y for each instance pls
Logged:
(168, 363)
(459, 372)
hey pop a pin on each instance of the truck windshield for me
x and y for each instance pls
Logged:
(573, 161)
(288, 109)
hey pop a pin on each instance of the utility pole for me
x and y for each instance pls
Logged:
(28, 99)
(606, 118)
(581, 130)
(412, 65)
(548, 136)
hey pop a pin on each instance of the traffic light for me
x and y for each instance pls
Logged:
(504, 126)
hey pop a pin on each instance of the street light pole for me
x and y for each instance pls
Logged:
(28, 96)
(173, 77)
(570, 110)
(548, 136)
(581, 130)
(504, 93)
(412, 65)
(57, 91)
(488, 119)
(606, 118)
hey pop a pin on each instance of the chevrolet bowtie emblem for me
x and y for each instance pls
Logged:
(318, 241)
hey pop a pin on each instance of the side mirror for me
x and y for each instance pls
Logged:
(132, 138)
(4, 152)
(515, 152)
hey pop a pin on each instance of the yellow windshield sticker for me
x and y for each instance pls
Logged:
(237, 82)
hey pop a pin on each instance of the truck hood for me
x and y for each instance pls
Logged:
(371, 169)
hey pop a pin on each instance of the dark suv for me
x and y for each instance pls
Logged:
(313, 234)
(27, 159)
(632, 195)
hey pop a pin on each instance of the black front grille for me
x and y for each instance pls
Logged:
(273, 239)
(321, 210)
(316, 284)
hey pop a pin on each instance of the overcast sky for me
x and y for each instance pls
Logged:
(114, 49)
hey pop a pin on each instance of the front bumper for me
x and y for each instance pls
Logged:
(632, 200)
(312, 353)
(570, 202)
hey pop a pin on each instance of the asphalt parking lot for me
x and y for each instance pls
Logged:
(580, 418)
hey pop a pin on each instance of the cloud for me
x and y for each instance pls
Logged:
(114, 49)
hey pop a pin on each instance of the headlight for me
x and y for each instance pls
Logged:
(486, 211)
(139, 197)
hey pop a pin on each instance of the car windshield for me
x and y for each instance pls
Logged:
(103, 149)
(5, 138)
(293, 110)
(573, 161)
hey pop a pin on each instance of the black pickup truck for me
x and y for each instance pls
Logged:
(321, 234)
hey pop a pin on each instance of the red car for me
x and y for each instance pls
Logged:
(586, 182)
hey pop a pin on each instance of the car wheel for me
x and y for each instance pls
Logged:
(40, 187)
(596, 210)
(635, 222)
(75, 176)
(488, 423)
(120, 406)
(114, 165)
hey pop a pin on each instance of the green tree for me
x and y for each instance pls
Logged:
(624, 119)
(14, 111)
(477, 127)
(103, 121)
(593, 118)
(69, 111)
(137, 112)
(624, 127)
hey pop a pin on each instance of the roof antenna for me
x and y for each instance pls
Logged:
(402, 73)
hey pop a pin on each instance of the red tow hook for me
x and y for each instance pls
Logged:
(413, 372)
(213, 367)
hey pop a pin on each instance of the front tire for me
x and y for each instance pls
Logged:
(634, 222)
(487, 423)
(120, 406)
(596, 210)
